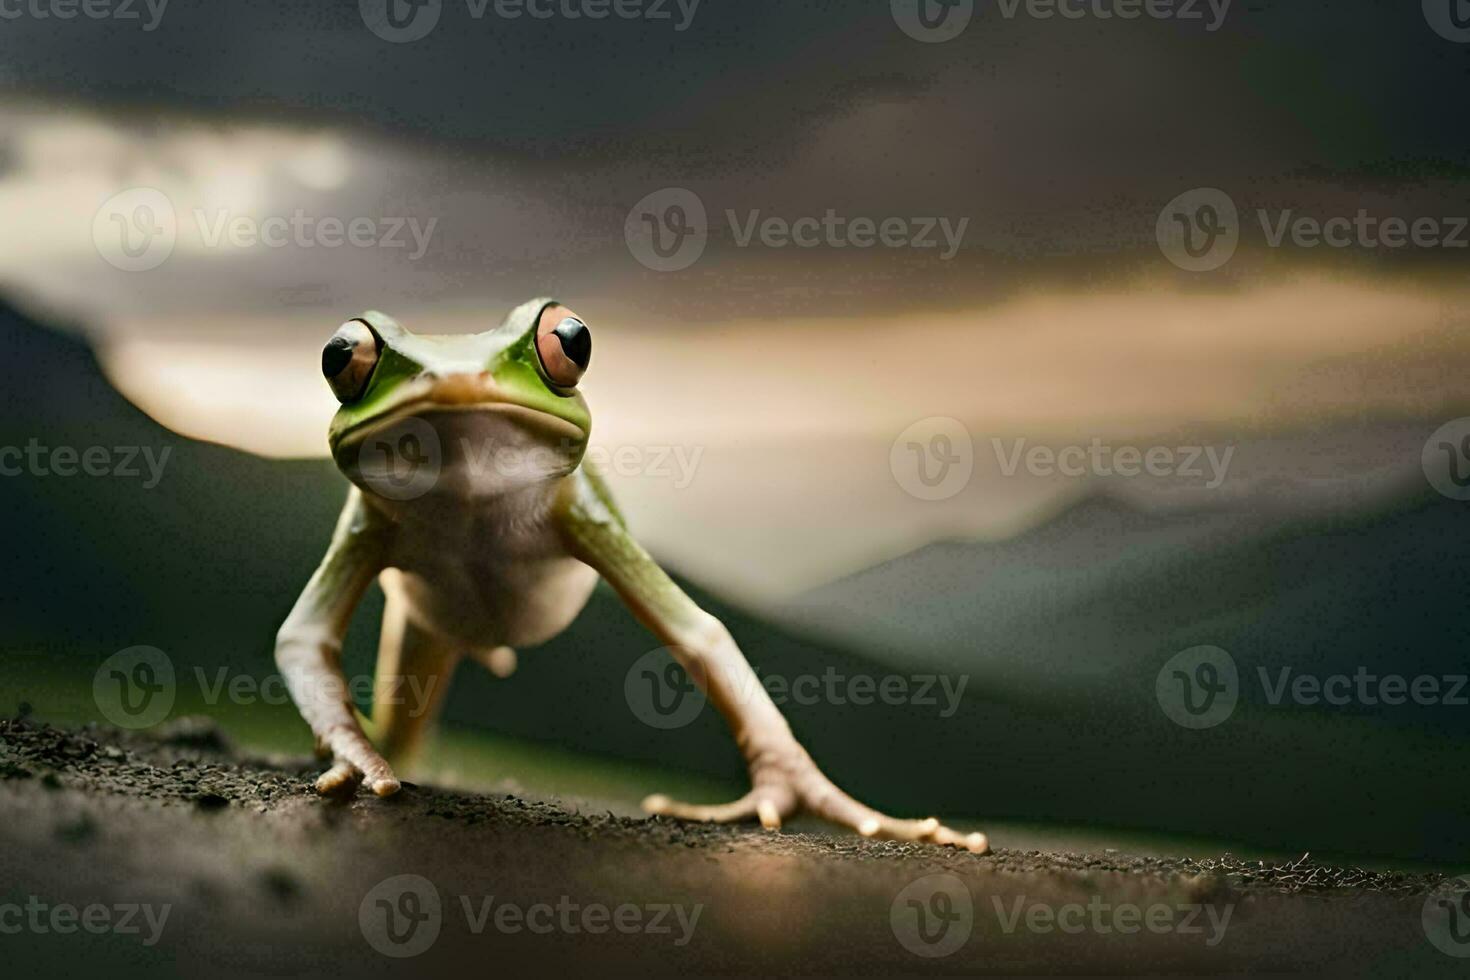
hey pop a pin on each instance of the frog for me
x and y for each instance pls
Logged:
(477, 559)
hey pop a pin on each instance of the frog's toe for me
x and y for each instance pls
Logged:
(342, 779)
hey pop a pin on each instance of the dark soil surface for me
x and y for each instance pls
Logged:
(234, 866)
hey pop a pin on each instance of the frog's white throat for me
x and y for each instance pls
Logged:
(461, 455)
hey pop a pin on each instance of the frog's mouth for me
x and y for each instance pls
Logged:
(449, 439)
(431, 399)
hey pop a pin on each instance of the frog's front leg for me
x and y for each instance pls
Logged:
(309, 648)
(784, 779)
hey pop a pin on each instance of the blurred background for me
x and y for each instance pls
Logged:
(855, 276)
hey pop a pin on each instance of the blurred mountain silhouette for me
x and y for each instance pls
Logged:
(1058, 634)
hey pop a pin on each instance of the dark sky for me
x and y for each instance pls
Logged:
(1060, 139)
(1286, 85)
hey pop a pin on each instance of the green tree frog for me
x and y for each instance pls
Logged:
(475, 558)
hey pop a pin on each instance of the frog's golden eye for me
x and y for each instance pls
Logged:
(564, 345)
(348, 360)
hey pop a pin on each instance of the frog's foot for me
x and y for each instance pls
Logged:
(355, 761)
(789, 783)
(342, 779)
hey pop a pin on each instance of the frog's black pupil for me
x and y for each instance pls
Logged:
(335, 356)
(576, 341)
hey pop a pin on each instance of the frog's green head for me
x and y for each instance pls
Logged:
(481, 412)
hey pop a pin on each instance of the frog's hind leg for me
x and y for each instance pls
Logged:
(413, 675)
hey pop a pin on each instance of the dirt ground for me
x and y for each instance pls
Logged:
(171, 853)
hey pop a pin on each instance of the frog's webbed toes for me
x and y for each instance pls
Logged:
(786, 781)
(823, 799)
(929, 831)
(770, 808)
(772, 803)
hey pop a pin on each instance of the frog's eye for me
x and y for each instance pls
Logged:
(564, 345)
(348, 360)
